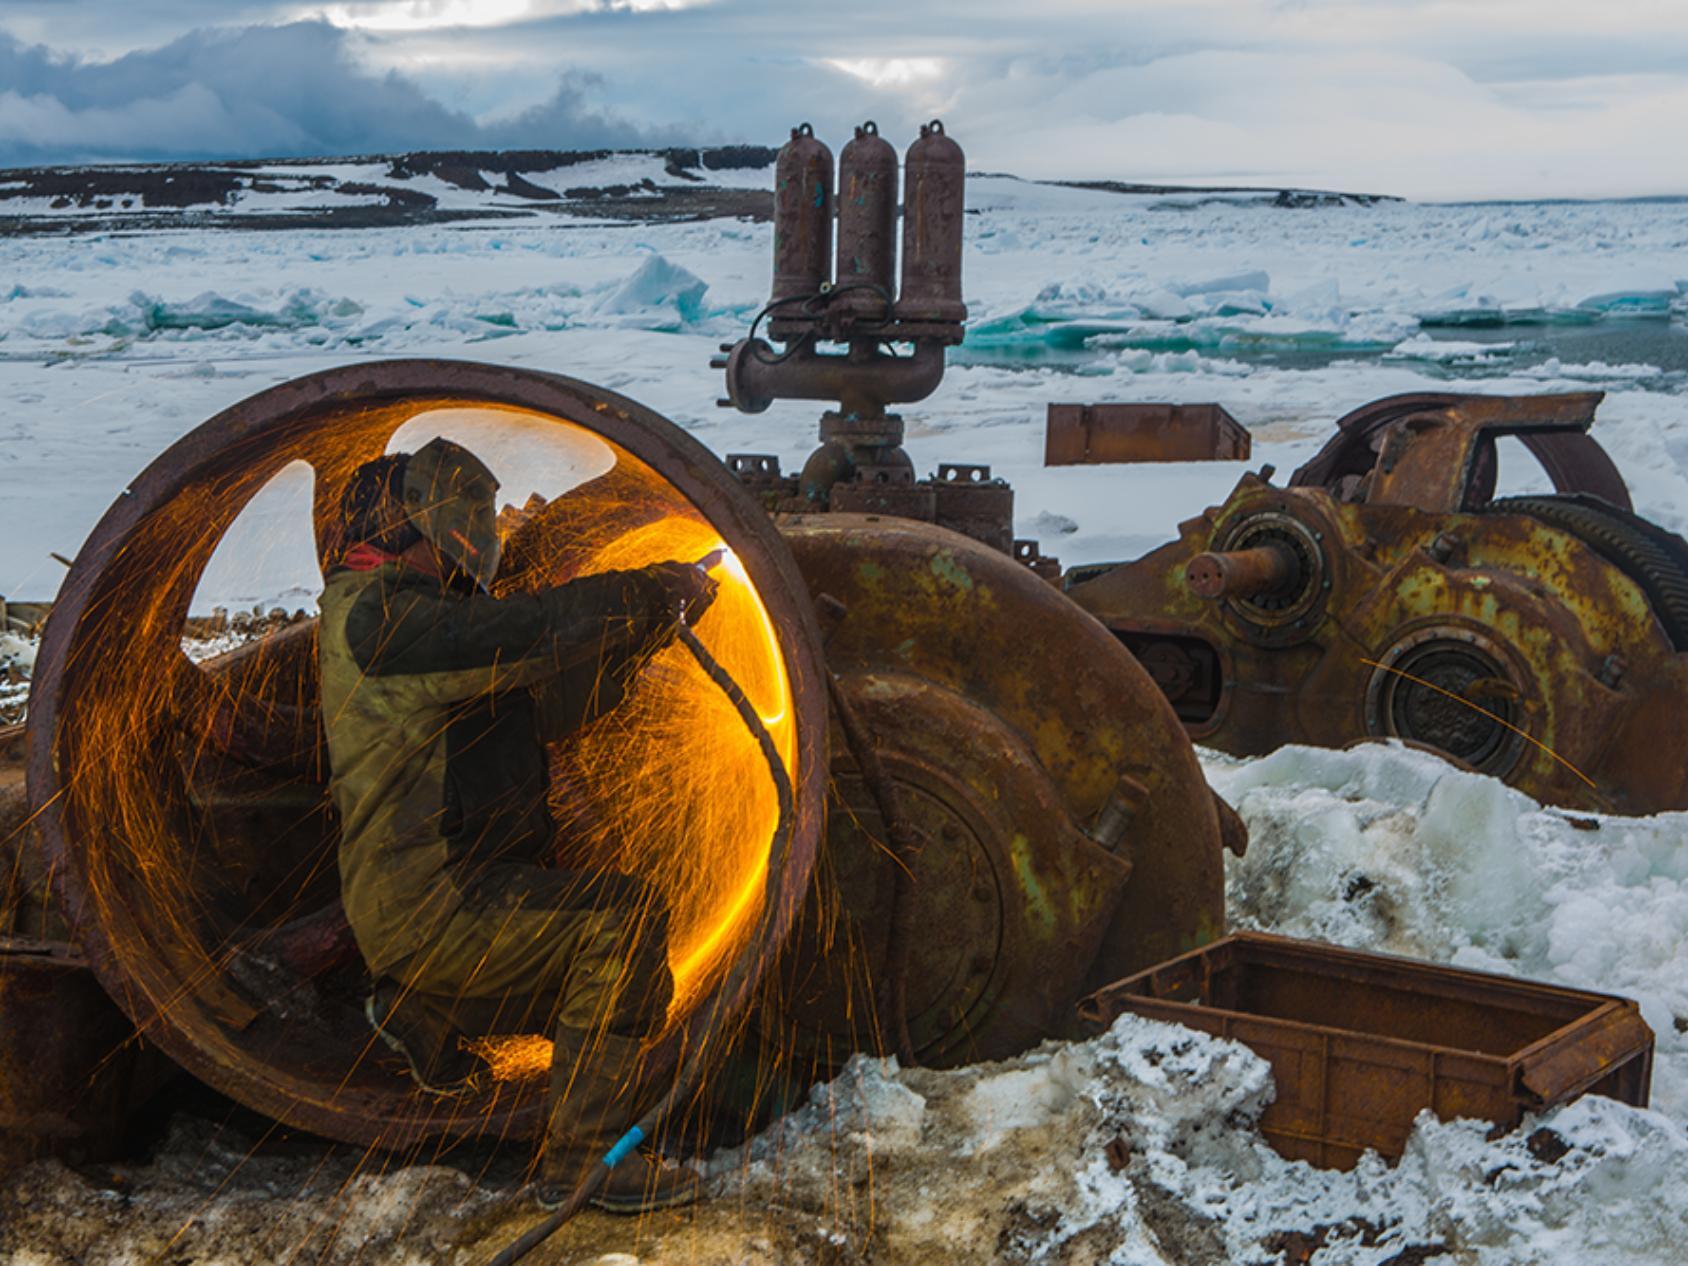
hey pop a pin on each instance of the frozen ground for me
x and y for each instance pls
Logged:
(113, 346)
(1012, 1163)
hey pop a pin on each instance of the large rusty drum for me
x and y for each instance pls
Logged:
(185, 811)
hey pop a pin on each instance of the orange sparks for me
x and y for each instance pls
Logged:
(1430, 685)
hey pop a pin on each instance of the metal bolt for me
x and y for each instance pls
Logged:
(1115, 819)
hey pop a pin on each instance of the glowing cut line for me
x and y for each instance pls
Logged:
(734, 567)
(1430, 685)
(727, 921)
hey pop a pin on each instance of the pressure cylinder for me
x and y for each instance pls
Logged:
(934, 177)
(865, 278)
(802, 220)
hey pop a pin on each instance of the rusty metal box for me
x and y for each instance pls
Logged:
(1359, 1044)
(1100, 434)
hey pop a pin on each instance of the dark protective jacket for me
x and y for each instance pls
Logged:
(435, 702)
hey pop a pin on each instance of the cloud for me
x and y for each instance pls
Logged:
(1365, 120)
(1429, 98)
(266, 91)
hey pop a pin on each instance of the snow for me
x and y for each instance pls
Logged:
(1136, 1146)
(112, 345)
(17, 660)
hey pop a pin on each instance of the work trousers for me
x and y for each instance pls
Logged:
(534, 951)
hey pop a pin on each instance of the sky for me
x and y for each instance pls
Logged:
(1433, 99)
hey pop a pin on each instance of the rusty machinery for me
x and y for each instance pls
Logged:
(183, 810)
(1033, 835)
(996, 839)
(1385, 592)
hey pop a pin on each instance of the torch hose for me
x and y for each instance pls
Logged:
(687, 1077)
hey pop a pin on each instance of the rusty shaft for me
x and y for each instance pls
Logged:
(1257, 572)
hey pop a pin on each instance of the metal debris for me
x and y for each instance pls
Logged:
(1099, 434)
(861, 466)
(1360, 1044)
(1385, 593)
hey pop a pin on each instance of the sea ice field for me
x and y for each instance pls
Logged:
(113, 345)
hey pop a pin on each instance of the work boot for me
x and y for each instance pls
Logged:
(591, 1110)
(414, 1027)
(643, 1183)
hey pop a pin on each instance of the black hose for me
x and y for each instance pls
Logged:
(536, 1235)
(814, 306)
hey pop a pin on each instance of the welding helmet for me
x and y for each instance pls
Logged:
(373, 508)
(449, 495)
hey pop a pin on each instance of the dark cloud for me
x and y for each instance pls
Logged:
(266, 91)
(1425, 97)
(568, 114)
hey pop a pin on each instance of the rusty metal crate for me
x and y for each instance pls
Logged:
(1359, 1044)
(1102, 434)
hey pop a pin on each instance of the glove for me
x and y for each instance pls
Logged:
(679, 591)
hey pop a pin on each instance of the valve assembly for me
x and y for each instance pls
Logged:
(853, 298)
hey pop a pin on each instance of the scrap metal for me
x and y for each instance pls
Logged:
(1387, 593)
(1360, 1044)
(1097, 434)
(1064, 806)
(857, 304)
(72, 1074)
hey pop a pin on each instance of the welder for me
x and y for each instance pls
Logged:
(438, 699)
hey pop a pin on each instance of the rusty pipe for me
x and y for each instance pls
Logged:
(1245, 573)
(863, 381)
